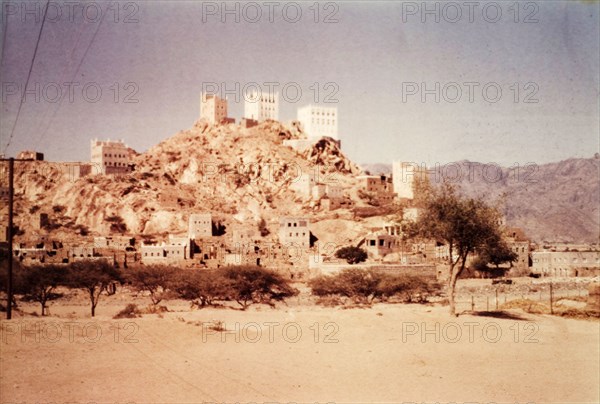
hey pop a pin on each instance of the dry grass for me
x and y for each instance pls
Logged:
(527, 305)
(534, 307)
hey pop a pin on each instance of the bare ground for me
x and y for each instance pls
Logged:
(386, 353)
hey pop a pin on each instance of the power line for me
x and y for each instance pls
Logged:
(4, 33)
(62, 78)
(72, 78)
(37, 44)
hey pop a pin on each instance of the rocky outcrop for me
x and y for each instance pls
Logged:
(326, 153)
(234, 172)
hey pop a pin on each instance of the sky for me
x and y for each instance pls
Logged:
(436, 82)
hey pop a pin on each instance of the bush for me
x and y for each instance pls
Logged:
(218, 326)
(352, 255)
(130, 311)
(262, 228)
(83, 230)
(408, 288)
(356, 284)
(58, 209)
(366, 286)
(117, 224)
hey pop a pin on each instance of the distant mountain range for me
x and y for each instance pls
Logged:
(557, 202)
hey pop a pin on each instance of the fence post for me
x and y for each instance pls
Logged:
(496, 299)
(551, 297)
(472, 303)
(487, 303)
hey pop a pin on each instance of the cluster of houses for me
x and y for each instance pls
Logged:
(566, 263)
(293, 246)
(201, 247)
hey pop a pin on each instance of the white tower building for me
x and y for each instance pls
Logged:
(261, 106)
(318, 121)
(403, 178)
(111, 157)
(212, 108)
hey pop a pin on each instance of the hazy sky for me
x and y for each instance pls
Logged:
(374, 60)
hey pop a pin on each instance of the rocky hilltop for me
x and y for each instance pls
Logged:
(241, 175)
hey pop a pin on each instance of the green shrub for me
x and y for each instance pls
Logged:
(366, 286)
(352, 255)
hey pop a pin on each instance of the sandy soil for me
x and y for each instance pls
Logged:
(387, 353)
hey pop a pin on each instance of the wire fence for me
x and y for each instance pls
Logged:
(494, 298)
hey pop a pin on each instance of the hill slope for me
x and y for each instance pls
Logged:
(238, 174)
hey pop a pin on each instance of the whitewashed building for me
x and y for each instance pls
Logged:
(261, 106)
(566, 263)
(318, 121)
(175, 249)
(113, 157)
(404, 176)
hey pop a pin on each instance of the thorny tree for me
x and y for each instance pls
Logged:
(465, 225)
(94, 276)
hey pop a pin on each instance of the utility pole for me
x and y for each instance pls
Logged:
(9, 289)
(11, 193)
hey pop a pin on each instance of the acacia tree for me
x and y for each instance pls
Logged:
(38, 283)
(202, 288)
(155, 279)
(94, 276)
(357, 284)
(365, 286)
(466, 225)
(498, 253)
(252, 284)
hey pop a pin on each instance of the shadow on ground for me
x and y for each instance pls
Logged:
(499, 314)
